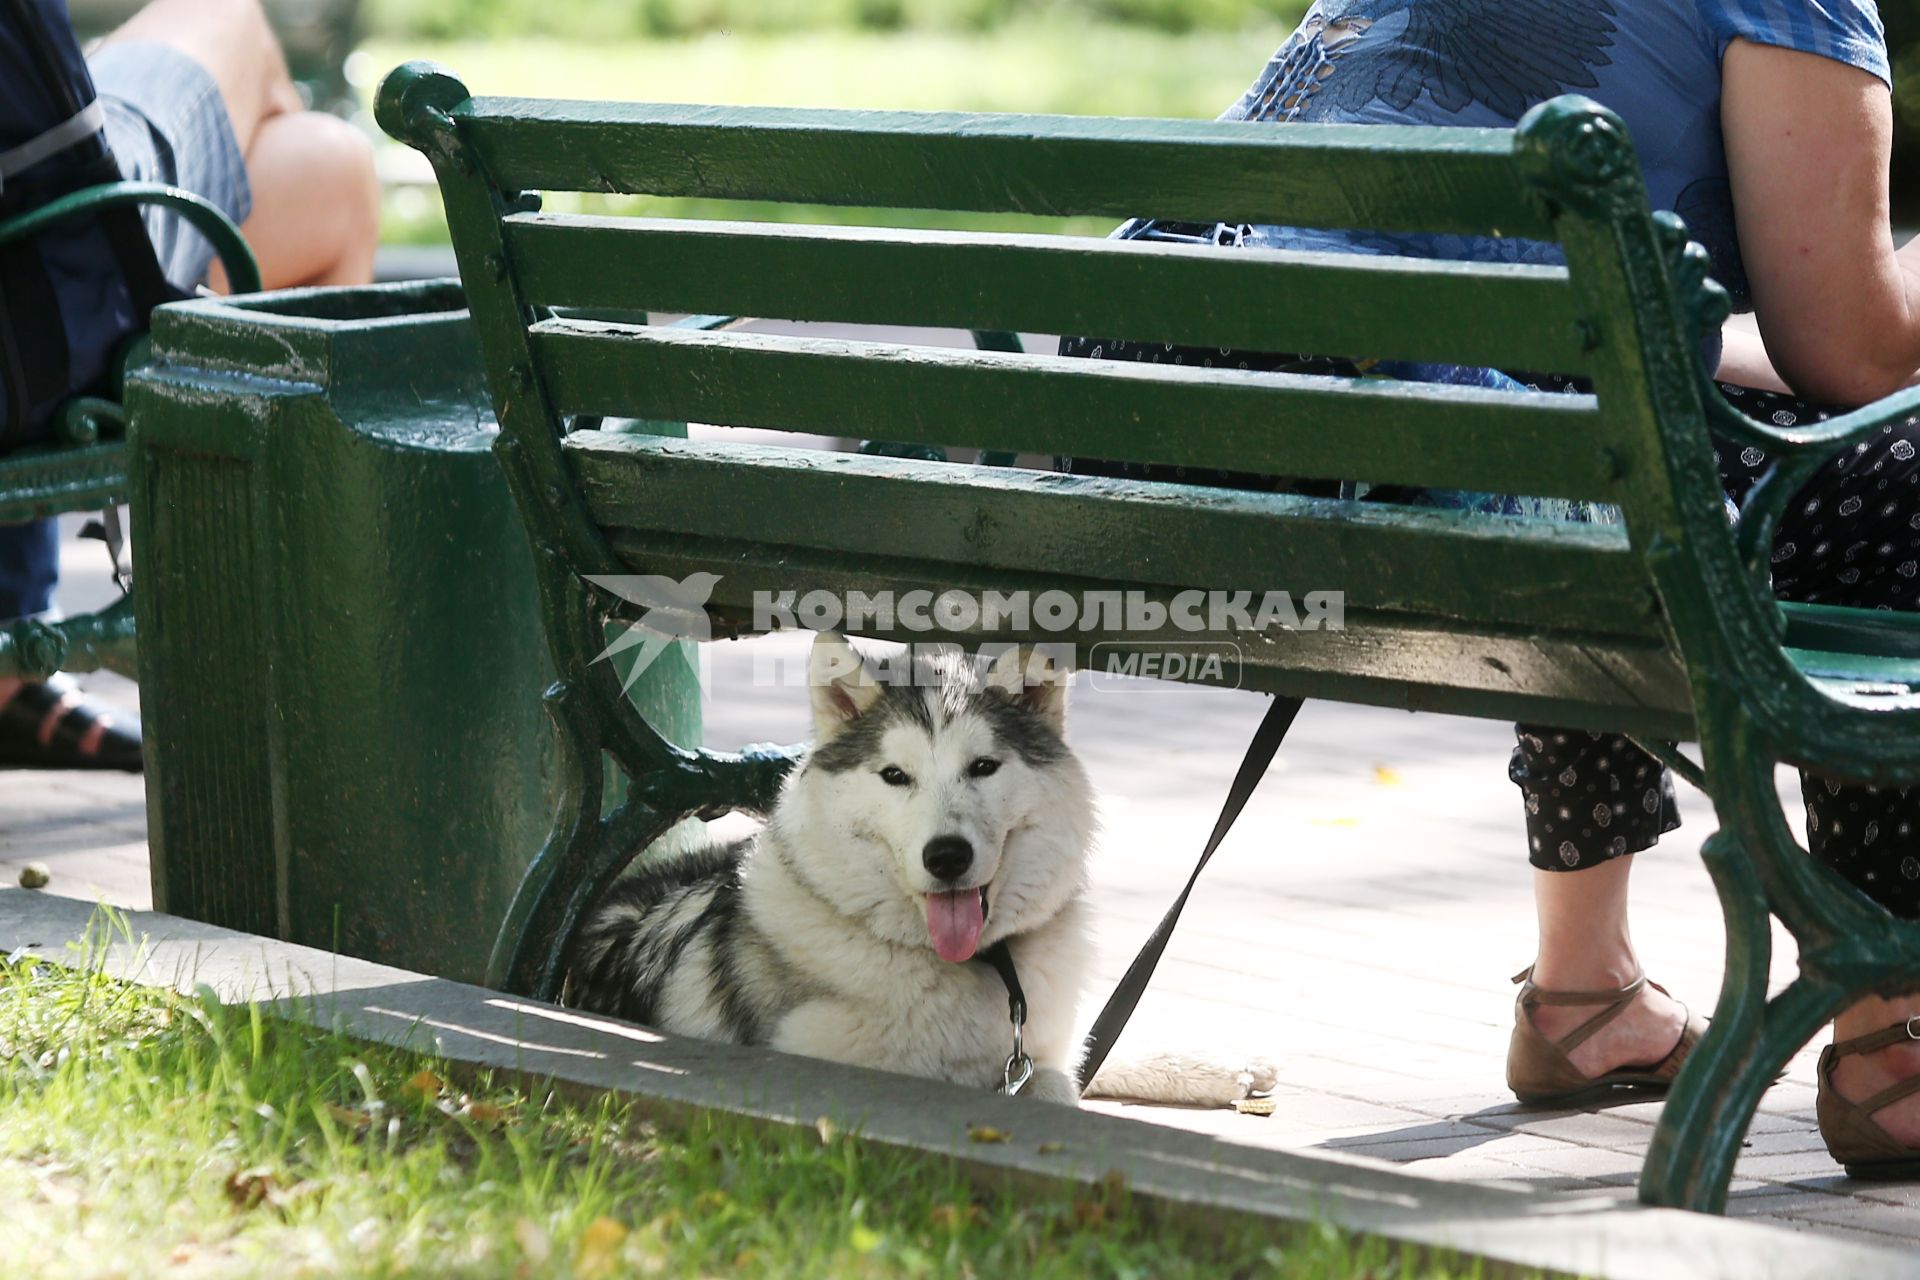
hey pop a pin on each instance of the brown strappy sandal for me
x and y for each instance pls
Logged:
(1539, 1070)
(1852, 1135)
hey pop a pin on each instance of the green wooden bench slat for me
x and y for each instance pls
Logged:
(1531, 573)
(1528, 443)
(1257, 300)
(1369, 176)
(44, 480)
(1883, 674)
(1846, 630)
(1598, 682)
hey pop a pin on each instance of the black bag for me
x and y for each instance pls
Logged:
(72, 293)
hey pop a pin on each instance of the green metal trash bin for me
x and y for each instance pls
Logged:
(341, 663)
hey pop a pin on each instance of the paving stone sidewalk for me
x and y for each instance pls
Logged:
(1358, 927)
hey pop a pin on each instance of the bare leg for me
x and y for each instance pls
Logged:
(1585, 945)
(316, 201)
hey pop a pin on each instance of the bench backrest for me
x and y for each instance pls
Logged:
(1483, 614)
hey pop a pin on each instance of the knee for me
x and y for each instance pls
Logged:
(342, 159)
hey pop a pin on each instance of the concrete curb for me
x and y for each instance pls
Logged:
(1177, 1171)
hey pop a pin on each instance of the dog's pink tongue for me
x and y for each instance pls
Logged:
(954, 921)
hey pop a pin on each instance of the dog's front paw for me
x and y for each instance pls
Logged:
(1051, 1085)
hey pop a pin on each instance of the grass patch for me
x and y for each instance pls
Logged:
(611, 19)
(1035, 65)
(145, 1133)
(1032, 65)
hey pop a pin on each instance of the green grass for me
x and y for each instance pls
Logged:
(612, 19)
(144, 1133)
(1031, 65)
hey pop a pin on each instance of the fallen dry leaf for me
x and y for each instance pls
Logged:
(986, 1133)
(599, 1253)
(951, 1217)
(827, 1130)
(424, 1084)
(483, 1113)
(1253, 1106)
(348, 1116)
(248, 1188)
(1051, 1148)
(1385, 777)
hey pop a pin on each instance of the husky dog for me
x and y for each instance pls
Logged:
(933, 818)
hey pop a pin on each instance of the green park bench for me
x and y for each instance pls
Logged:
(84, 466)
(1661, 625)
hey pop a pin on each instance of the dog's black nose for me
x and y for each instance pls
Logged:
(947, 857)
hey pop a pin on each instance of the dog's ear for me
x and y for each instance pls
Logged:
(1034, 678)
(844, 688)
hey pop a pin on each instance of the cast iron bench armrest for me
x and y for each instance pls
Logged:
(243, 272)
(1800, 451)
(82, 469)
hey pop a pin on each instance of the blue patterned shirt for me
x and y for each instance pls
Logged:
(1485, 62)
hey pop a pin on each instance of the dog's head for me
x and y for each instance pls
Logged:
(940, 805)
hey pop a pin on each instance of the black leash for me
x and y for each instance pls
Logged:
(1019, 1065)
(1120, 1005)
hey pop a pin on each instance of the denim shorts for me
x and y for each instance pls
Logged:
(167, 123)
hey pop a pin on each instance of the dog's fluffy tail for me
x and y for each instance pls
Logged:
(1182, 1079)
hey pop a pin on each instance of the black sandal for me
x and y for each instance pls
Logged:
(56, 726)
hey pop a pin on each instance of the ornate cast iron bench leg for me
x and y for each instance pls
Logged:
(1848, 947)
(587, 849)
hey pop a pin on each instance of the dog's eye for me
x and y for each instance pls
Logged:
(984, 767)
(894, 776)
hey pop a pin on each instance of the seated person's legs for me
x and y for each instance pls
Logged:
(1851, 538)
(1592, 802)
(310, 202)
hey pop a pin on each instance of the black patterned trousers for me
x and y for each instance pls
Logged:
(1850, 537)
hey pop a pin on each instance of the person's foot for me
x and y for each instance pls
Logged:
(1641, 1034)
(1860, 1076)
(53, 725)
